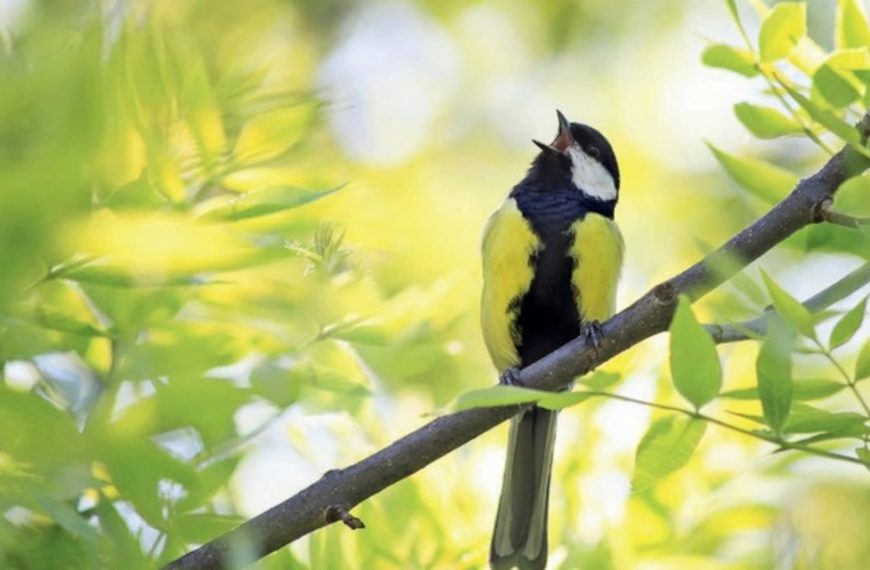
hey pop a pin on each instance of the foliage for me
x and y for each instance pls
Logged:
(189, 288)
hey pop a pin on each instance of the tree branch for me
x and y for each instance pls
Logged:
(757, 327)
(310, 509)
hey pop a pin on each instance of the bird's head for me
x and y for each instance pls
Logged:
(582, 154)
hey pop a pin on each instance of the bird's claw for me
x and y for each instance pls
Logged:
(593, 334)
(510, 377)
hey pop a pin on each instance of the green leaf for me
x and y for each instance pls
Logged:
(271, 134)
(790, 309)
(276, 383)
(862, 364)
(563, 400)
(781, 30)
(51, 318)
(846, 328)
(761, 179)
(734, 59)
(851, 30)
(666, 447)
(808, 389)
(826, 118)
(864, 455)
(266, 201)
(199, 528)
(853, 196)
(600, 380)
(807, 419)
(766, 122)
(834, 86)
(499, 396)
(695, 366)
(773, 371)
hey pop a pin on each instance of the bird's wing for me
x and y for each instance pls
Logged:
(508, 246)
(597, 249)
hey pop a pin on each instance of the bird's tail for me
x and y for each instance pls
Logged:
(520, 536)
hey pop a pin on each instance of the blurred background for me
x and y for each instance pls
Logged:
(240, 248)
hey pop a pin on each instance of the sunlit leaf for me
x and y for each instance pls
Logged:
(847, 326)
(54, 319)
(666, 447)
(271, 134)
(499, 396)
(266, 201)
(807, 419)
(808, 389)
(781, 30)
(862, 364)
(203, 113)
(790, 309)
(731, 58)
(600, 380)
(563, 400)
(275, 383)
(198, 528)
(695, 366)
(766, 122)
(864, 455)
(826, 118)
(761, 179)
(773, 371)
(853, 196)
(834, 87)
(851, 29)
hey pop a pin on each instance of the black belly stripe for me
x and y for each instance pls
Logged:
(547, 315)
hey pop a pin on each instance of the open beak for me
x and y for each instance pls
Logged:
(564, 138)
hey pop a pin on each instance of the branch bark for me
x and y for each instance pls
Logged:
(340, 490)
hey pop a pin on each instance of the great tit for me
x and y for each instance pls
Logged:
(552, 255)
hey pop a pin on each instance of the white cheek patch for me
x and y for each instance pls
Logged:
(590, 176)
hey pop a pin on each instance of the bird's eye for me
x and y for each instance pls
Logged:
(593, 152)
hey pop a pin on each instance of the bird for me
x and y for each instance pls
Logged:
(552, 256)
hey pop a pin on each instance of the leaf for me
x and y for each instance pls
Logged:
(266, 201)
(734, 59)
(781, 30)
(847, 326)
(199, 528)
(766, 122)
(276, 383)
(790, 309)
(851, 29)
(834, 87)
(54, 319)
(563, 400)
(600, 380)
(807, 419)
(826, 118)
(808, 389)
(695, 366)
(271, 134)
(499, 396)
(853, 196)
(763, 180)
(666, 447)
(773, 371)
(862, 364)
(864, 455)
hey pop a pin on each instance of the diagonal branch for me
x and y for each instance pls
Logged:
(342, 489)
(757, 327)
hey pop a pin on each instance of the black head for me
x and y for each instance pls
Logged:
(585, 156)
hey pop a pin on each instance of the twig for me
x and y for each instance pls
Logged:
(840, 219)
(651, 314)
(757, 327)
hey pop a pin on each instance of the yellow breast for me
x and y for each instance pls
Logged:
(508, 246)
(597, 250)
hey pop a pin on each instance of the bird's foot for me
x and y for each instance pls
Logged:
(592, 333)
(510, 377)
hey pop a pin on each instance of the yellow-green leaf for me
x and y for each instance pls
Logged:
(773, 371)
(826, 118)
(781, 30)
(766, 122)
(734, 59)
(851, 30)
(271, 134)
(666, 447)
(853, 196)
(847, 326)
(834, 86)
(695, 366)
(763, 180)
(266, 201)
(790, 309)
(563, 400)
(862, 364)
(499, 396)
